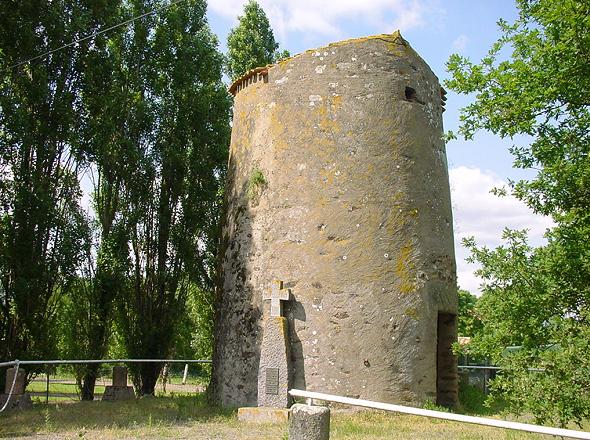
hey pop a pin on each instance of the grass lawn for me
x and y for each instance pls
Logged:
(38, 386)
(184, 417)
(62, 387)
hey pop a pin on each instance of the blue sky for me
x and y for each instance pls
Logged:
(435, 29)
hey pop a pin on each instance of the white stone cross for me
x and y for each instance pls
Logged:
(276, 295)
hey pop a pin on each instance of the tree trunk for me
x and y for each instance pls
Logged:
(88, 382)
(149, 377)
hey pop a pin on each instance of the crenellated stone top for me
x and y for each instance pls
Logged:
(251, 76)
(260, 74)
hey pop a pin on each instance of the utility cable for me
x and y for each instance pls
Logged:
(125, 23)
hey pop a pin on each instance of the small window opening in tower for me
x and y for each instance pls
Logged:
(411, 94)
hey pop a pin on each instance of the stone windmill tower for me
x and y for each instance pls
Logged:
(338, 186)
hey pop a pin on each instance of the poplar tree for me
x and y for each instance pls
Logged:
(171, 198)
(42, 229)
(156, 131)
(142, 109)
(251, 43)
(111, 117)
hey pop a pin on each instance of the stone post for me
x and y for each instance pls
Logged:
(19, 385)
(19, 399)
(119, 376)
(309, 422)
(119, 389)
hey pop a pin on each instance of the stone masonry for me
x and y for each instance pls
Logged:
(273, 370)
(338, 185)
(308, 422)
(119, 390)
(19, 398)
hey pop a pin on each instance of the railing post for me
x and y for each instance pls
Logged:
(47, 385)
(308, 422)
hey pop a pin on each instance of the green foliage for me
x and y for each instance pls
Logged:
(558, 393)
(471, 399)
(474, 401)
(113, 117)
(523, 305)
(43, 233)
(468, 320)
(194, 335)
(252, 43)
(141, 110)
(200, 304)
(538, 298)
(517, 304)
(430, 405)
(542, 91)
(171, 199)
(282, 55)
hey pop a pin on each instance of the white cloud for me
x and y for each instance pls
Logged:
(324, 17)
(410, 15)
(460, 43)
(483, 215)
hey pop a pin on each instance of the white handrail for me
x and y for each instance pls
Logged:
(443, 415)
(491, 367)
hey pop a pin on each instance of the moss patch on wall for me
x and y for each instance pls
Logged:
(256, 184)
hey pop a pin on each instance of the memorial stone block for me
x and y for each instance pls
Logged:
(119, 390)
(273, 371)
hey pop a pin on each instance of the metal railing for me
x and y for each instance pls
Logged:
(17, 363)
(441, 415)
(105, 361)
(491, 368)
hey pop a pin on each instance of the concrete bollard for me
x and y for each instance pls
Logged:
(309, 422)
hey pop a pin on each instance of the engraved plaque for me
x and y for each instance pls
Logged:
(272, 381)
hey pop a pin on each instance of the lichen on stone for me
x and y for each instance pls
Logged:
(412, 313)
(405, 266)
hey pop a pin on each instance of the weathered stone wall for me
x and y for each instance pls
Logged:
(338, 186)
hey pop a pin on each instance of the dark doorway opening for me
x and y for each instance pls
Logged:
(446, 361)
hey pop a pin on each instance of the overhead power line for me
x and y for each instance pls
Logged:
(88, 37)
